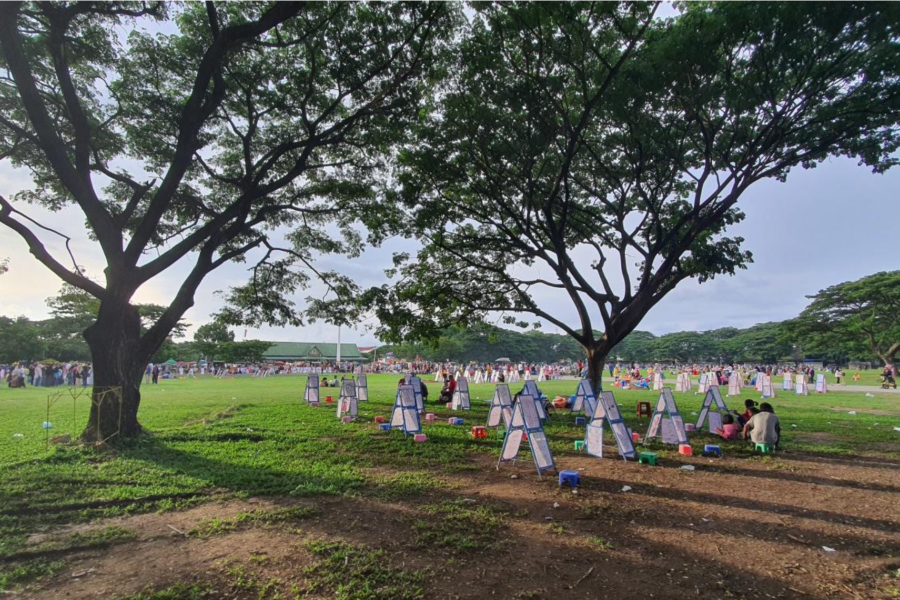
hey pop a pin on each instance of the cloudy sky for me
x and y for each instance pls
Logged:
(835, 223)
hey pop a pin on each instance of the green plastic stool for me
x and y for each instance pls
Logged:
(647, 458)
(764, 448)
(579, 445)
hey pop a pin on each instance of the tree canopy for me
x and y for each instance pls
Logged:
(592, 151)
(859, 317)
(255, 131)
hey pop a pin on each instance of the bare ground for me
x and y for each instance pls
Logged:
(734, 527)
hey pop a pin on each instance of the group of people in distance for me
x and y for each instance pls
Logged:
(758, 424)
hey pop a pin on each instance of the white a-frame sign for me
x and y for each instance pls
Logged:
(584, 399)
(531, 389)
(416, 384)
(405, 415)
(713, 397)
(460, 398)
(607, 411)
(525, 419)
(501, 406)
(312, 389)
(347, 401)
(362, 388)
(671, 428)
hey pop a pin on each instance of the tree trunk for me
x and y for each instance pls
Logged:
(119, 361)
(595, 362)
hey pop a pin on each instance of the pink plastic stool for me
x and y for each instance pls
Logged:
(420, 437)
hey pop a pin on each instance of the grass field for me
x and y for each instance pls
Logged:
(231, 440)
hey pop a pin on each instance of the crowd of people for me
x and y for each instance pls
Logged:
(40, 374)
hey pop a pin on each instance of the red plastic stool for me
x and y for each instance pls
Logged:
(643, 408)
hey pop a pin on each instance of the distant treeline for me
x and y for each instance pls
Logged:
(762, 343)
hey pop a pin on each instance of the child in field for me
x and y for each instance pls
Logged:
(856, 377)
(729, 430)
(748, 406)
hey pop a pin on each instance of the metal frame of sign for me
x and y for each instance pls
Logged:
(501, 406)
(347, 400)
(585, 400)
(461, 397)
(607, 411)
(405, 415)
(311, 394)
(526, 419)
(362, 388)
(666, 404)
(712, 395)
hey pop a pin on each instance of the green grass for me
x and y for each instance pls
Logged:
(214, 438)
(258, 518)
(28, 572)
(180, 591)
(347, 572)
(459, 525)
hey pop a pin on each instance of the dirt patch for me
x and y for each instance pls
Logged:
(732, 527)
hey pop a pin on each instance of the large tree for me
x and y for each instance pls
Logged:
(194, 146)
(860, 317)
(589, 153)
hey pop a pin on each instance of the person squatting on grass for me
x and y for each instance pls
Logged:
(764, 427)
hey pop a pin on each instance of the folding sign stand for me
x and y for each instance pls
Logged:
(802, 389)
(671, 428)
(525, 418)
(787, 385)
(705, 382)
(501, 406)
(768, 391)
(734, 385)
(713, 396)
(531, 389)
(312, 389)
(607, 411)
(657, 381)
(461, 395)
(416, 384)
(584, 399)
(821, 386)
(362, 388)
(683, 383)
(405, 415)
(347, 401)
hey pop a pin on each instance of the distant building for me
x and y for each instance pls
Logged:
(311, 352)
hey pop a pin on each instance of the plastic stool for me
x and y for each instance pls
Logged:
(449, 405)
(429, 417)
(420, 437)
(712, 450)
(579, 445)
(570, 477)
(385, 426)
(455, 421)
(685, 449)
(647, 458)
(635, 438)
(580, 420)
(643, 409)
(379, 419)
(329, 399)
(690, 428)
(479, 432)
(764, 448)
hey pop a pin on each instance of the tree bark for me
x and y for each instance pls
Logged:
(596, 359)
(119, 360)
